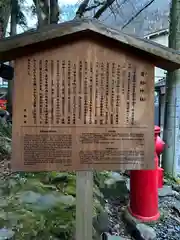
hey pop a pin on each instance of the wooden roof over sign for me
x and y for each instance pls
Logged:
(16, 46)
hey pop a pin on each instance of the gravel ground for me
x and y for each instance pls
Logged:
(117, 225)
(167, 228)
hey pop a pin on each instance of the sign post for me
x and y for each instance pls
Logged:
(84, 205)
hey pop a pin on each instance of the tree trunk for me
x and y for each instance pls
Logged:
(47, 11)
(13, 31)
(5, 11)
(171, 156)
(82, 9)
(106, 5)
(13, 26)
(42, 10)
(54, 11)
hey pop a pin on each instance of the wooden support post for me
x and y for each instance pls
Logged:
(84, 205)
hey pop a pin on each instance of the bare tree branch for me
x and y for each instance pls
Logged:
(118, 9)
(94, 6)
(114, 13)
(137, 14)
(82, 9)
(100, 11)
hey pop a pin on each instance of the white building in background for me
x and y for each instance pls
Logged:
(160, 37)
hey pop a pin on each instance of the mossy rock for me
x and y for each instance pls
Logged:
(42, 205)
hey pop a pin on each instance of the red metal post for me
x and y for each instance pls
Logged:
(144, 192)
(159, 147)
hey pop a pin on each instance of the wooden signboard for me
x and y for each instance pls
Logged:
(81, 107)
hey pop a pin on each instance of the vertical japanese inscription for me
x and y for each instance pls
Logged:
(58, 93)
(34, 93)
(46, 70)
(107, 94)
(142, 87)
(69, 91)
(86, 93)
(74, 93)
(29, 67)
(80, 91)
(40, 93)
(102, 94)
(128, 94)
(113, 92)
(96, 91)
(133, 96)
(63, 91)
(118, 93)
(90, 92)
(52, 92)
(123, 79)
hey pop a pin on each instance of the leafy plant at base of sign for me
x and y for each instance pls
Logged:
(5, 138)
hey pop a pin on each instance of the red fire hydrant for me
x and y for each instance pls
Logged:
(159, 147)
(144, 189)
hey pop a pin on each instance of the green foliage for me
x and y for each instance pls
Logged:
(4, 3)
(36, 210)
(5, 138)
(169, 178)
(41, 205)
